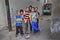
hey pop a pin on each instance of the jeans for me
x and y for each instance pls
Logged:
(34, 26)
(19, 28)
(26, 27)
(37, 23)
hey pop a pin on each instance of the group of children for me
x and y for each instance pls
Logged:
(28, 16)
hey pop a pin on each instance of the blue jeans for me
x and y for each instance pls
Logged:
(26, 27)
(34, 26)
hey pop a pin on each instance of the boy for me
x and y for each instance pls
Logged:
(38, 14)
(30, 7)
(34, 20)
(19, 22)
(26, 19)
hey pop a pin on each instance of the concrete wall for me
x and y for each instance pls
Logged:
(36, 3)
(56, 8)
(17, 5)
(22, 4)
(3, 15)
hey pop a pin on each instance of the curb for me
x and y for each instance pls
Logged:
(3, 28)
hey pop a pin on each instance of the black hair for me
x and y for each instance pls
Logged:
(30, 6)
(33, 7)
(37, 7)
(21, 10)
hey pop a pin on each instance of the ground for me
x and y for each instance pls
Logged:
(44, 34)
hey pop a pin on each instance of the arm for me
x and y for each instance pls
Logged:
(30, 18)
(38, 15)
(23, 18)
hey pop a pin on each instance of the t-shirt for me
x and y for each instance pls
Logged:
(26, 16)
(37, 12)
(18, 20)
(33, 14)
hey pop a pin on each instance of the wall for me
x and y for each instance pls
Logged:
(3, 15)
(16, 5)
(38, 4)
(22, 4)
(56, 8)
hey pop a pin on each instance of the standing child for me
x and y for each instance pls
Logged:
(26, 19)
(38, 14)
(34, 20)
(30, 7)
(19, 22)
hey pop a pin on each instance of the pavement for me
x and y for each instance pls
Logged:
(44, 34)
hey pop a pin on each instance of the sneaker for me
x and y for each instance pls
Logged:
(27, 36)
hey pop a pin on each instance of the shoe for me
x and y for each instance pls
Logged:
(27, 36)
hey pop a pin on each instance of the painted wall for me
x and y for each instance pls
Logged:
(56, 8)
(22, 4)
(17, 5)
(3, 15)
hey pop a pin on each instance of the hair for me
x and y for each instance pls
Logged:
(33, 7)
(21, 10)
(37, 7)
(27, 7)
(30, 6)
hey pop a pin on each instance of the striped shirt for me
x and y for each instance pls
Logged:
(26, 16)
(18, 20)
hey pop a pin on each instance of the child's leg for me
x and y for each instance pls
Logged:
(30, 27)
(37, 23)
(34, 26)
(17, 31)
(21, 30)
(26, 27)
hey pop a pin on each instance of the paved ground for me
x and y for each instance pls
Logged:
(43, 35)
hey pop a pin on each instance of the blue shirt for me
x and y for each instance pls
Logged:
(18, 20)
(33, 16)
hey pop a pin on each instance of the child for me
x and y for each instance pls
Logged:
(38, 14)
(19, 22)
(34, 20)
(26, 19)
(30, 7)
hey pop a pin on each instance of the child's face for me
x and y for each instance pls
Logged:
(33, 10)
(21, 12)
(18, 12)
(27, 9)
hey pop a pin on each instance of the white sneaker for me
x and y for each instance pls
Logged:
(27, 36)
